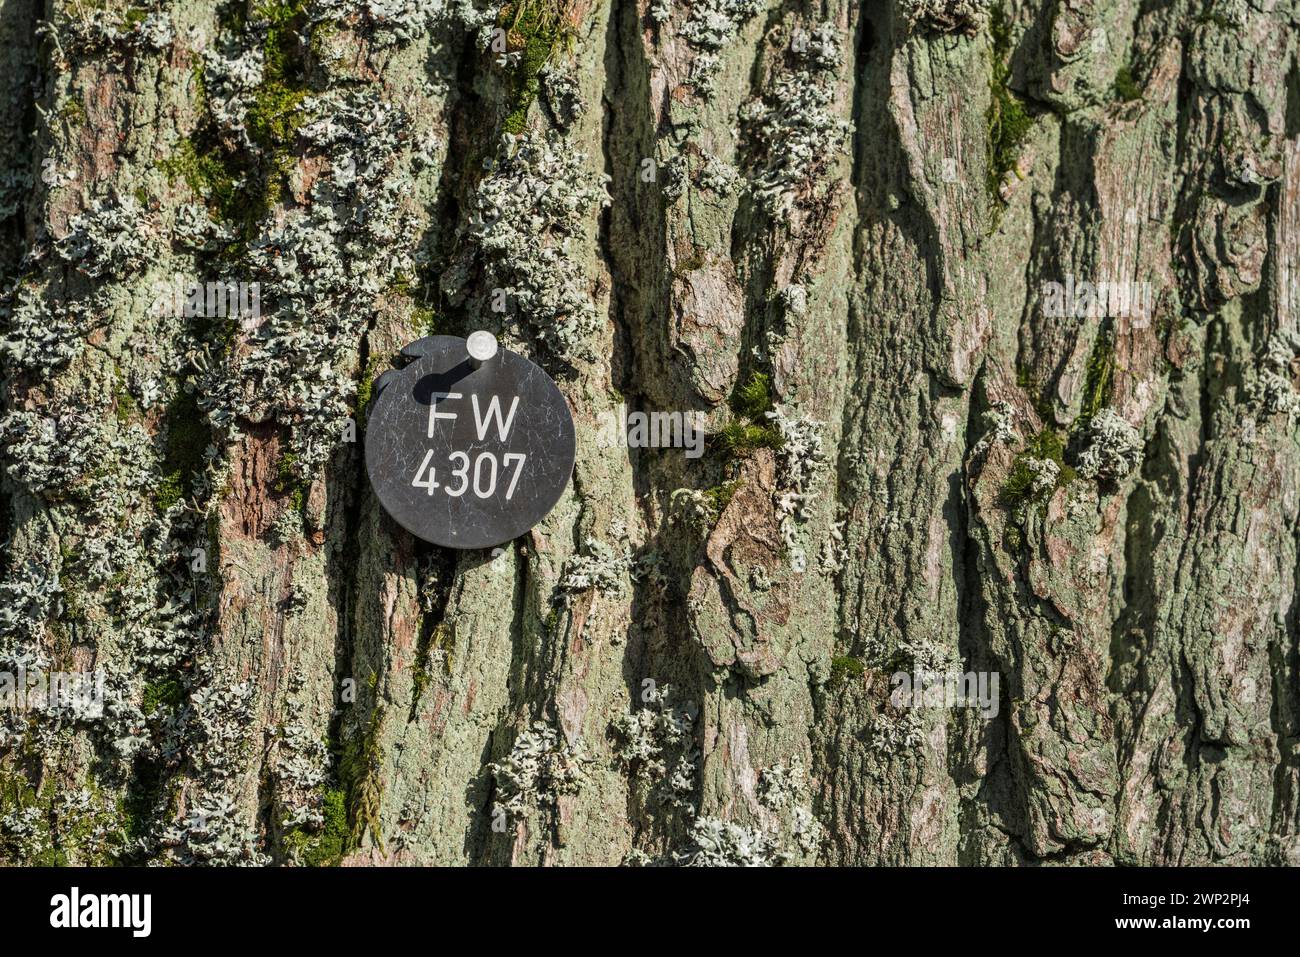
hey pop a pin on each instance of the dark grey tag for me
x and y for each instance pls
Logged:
(468, 457)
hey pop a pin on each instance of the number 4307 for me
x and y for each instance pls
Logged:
(485, 474)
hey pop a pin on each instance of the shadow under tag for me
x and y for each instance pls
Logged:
(468, 451)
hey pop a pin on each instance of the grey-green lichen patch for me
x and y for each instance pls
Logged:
(717, 843)
(109, 33)
(114, 238)
(1114, 448)
(599, 566)
(794, 134)
(947, 16)
(527, 216)
(656, 743)
(801, 470)
(214, 828)
(540, 768)
(321, 266)
(44, 331)
(789, 833)
(300, 771)
(711, 26)
(1275, 386)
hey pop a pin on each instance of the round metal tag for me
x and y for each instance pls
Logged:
(469, 446)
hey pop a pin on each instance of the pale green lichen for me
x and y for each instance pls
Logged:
(1114, 448)
(656, 744)
(540, 767)
(527, 214)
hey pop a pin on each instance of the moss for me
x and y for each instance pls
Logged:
(366, 388)
(232, 16)
(287, 481)
(321, 35)
(209, 176)
(750, 429)
(438, 638)
(425, 320)
(844, 668)
(1008, 121)
(536, 29)
(1124, 86)
(125, 409)
(741, 438)
(274, 117)
(137, 809)
(166, 693)
(18, 794)
(359, 770)
(1047, 445)
(187, 439)
(753, 399)
(326, 847)
(720, 496)
(695, 259)
(238, 189)
(73, 111)
(1098, 382)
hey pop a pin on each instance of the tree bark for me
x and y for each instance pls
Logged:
(841, 234)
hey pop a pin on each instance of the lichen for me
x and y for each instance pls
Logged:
(711, 27)
(1114, 448)
(540, 767)
(793, 135)
(526, 215)
(656, 746)
(1274, 388)
(113, 238)
(947, 16)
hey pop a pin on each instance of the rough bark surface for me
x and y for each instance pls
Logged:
(831, 229)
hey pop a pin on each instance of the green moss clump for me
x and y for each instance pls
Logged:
(288, 482)
(751, 429)
(426, 320)
(1100, 378)
(274, 117)
(187, 439)
(125, 408)
(366, 388)
(845, 668)
(326, 847)
(720, 496)
(537, 28)
(437, 639)
(1125, 86)
(158, 694)
(207, 174)
(1019, 487)
(1008, 121)
(741, 438)
(359, 770)
(753, 399)
(73, 111)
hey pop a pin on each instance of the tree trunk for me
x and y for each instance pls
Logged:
(863, 242)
